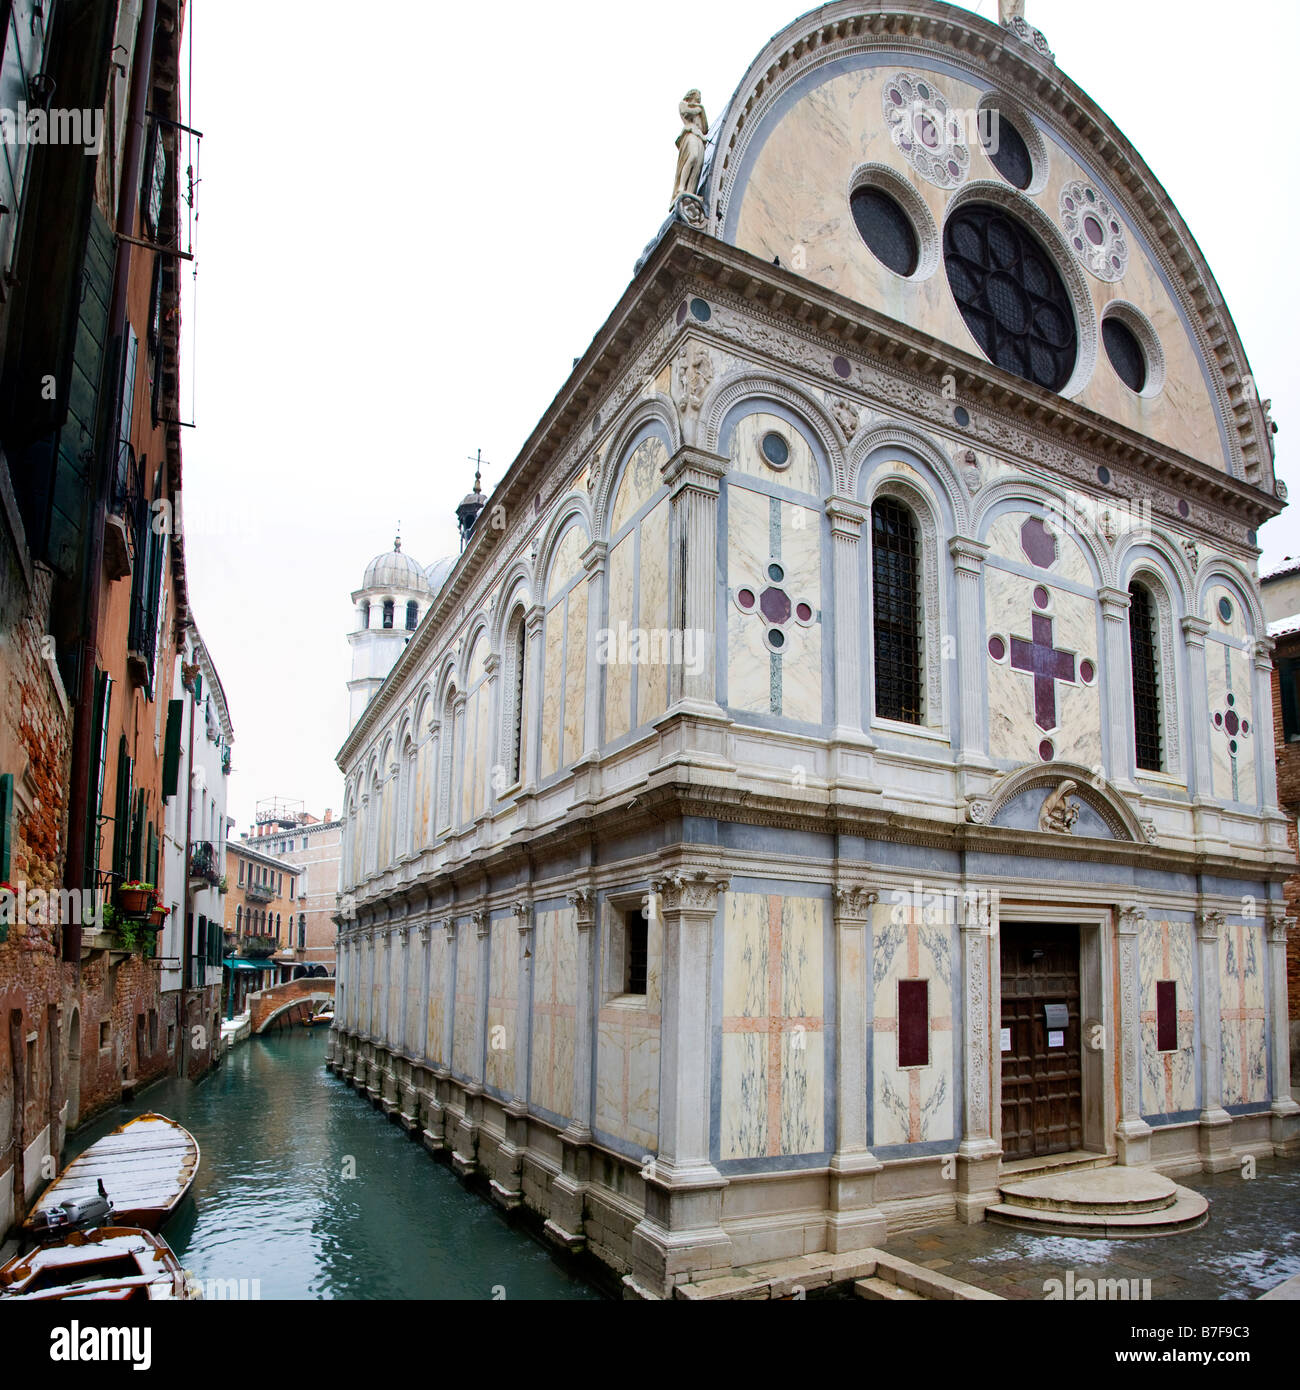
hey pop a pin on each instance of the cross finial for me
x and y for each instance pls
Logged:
(397, 539)
(477, 461)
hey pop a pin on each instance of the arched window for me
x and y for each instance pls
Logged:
(239, 920)
(1144, 651)
(896, 611)
(512, 741)
(412, 615)
(388, 612)
(277, 926)
(302, 931)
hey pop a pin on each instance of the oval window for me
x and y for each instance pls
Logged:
(886, 228)
(1125, 352)
(775, 450)
(1005, 147)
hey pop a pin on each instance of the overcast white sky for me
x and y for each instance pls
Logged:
(413, 218)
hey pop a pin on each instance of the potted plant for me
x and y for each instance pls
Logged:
(136, 898)
(158, 915)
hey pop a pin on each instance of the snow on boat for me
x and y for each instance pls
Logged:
(113, 1262)
(146, 1166)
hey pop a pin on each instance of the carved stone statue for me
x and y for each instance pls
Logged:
(1058, 814)
(690, 144)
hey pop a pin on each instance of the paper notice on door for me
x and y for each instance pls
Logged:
(1006, 1040)
(1056, 1038)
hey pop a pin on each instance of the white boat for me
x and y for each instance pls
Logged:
(114, 1262)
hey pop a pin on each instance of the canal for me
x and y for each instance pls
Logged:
(310, 1191)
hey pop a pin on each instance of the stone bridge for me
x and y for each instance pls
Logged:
(268, 1004)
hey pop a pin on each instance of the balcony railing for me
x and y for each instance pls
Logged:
(259, 892)
(204, 862)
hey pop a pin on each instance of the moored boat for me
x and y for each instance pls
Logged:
(113, 1262)
(143, 1168)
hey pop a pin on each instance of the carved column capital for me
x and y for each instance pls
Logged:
(1130, 918)
(492, 663)
(424, 930)
(1114, 602)
(482, 920)
(1209, 925)
(1278, 927)
(1263, 653)
(523, 910)
(1194, 630)
(583, 900)
(447, 925)
(534, 619)
(594, 557)
(967, 554)
(846, 517)
(689, 891)
(696, 469)
(853, 903)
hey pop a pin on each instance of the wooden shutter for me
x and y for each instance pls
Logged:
(151, 859)
(98, 772)
(6, 823)
(136, 864)
(172, 748)
(122, 813)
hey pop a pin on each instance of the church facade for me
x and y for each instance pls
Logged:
(839, 764)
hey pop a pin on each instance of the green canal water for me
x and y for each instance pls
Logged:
(272, 1202)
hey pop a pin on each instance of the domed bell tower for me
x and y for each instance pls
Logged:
(393, 597)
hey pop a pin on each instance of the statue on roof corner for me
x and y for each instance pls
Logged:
(690, 159)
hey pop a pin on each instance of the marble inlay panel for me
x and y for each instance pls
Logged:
(438, 965)
(552, 689)
(773, 1055)
(912, 941)
(554, 1010)
(622, 614)
(652, 674)
(503, 995)
(800, 471)
(1242, 1009)
(642, 475)
(463, 1053)
(575, 673)
(567, 561)
(1166, 951)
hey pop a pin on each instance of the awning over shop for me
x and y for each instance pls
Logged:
(239, 963)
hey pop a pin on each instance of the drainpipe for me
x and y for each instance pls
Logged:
(127, 206)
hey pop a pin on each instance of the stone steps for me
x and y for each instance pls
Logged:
(1108, 1203)
(885, 1291)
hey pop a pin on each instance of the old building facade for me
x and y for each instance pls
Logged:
(848, 769)
(95, 608)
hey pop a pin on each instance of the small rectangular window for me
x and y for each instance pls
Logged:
(1287, 672)
(1166, 1016)
(913, 1023)
(103, 1036)
(638, 952)
(241, 873)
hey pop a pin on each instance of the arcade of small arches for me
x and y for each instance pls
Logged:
(866, 587)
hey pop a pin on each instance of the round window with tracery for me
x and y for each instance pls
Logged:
(1094, 231)
(925, 129)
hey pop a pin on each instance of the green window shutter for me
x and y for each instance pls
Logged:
(6, 823)
(198, 689)
(172, 750)
(136, 865)
(151, 863)
(98, 771)
(201, 945)
(122, 813)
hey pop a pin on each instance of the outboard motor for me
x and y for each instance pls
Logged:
(77, 1214)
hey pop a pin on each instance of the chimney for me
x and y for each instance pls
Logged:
(329, 815)
(1009, 10)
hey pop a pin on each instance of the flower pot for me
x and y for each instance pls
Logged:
(134, 902)
(157, 918)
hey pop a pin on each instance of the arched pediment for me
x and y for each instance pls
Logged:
(1060, 798)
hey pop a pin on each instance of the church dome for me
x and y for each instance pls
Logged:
(396, 571)
(436, 575)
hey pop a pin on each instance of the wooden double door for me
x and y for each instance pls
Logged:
(1042, 1069)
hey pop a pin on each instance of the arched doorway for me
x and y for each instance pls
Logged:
(74, 1072)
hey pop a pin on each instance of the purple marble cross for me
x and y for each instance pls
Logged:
(1047, 665)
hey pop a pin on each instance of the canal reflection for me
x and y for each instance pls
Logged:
(311, 1192)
